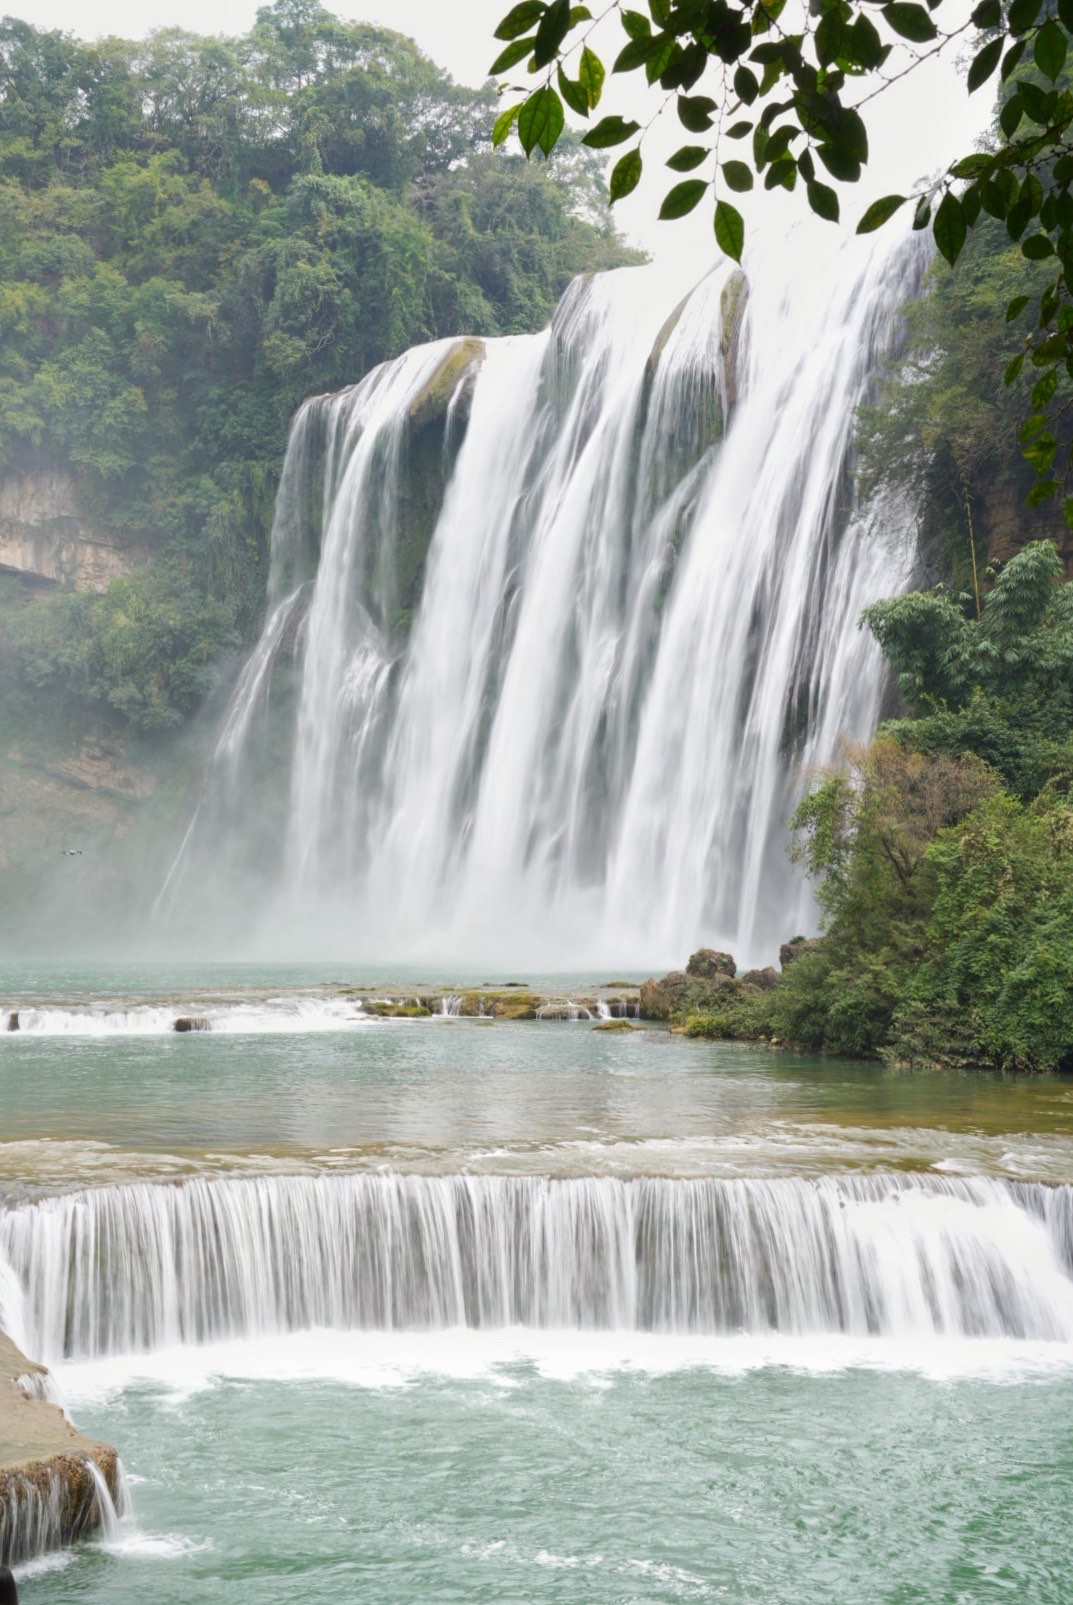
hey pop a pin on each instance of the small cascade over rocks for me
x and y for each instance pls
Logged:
(557, 624)
(53, 1503)
(131, 1269)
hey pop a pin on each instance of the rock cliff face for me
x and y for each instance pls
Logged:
(1008, 523)
(45, 537)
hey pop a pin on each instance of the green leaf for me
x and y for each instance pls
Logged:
(688, 157)
(972, 166)
(626, 174)
(1036, 247)
(609, 131)
(1010, 115)
(634, 55)
(540, 121)
(636, 24)
(1043, 491)
(1067, 509)
(984, 64)
(519, 19)
(879, 212)
(553, 29)
(591, 75)
(839, 164)
(1014, 368)
(682, 198)
(729, 230)
(573, 93)
(695, 112)
(988, 14)
(1044, 388)
(746, 85)
(1037, 102)
(511, 56)
(950, 227)
(1022, 15)
(1011, 58)
(739, 177)
(1065, 13)
(911, 21)
(823, 200)
(505, 122)
(1016, 307)
(1049, 51)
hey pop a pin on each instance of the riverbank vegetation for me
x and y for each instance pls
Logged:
(197, 233)
(942, 854)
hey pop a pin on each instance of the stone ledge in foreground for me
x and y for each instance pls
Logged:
(50, 1474)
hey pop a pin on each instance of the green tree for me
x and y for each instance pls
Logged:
(765, 94)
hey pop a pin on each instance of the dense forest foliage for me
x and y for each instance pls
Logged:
(943, 852)
(195, 234)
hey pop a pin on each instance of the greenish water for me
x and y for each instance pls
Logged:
(775, 1486)
(332, 1466)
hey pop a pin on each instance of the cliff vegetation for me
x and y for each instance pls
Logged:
(195, 234)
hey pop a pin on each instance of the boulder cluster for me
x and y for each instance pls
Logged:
(709, 978)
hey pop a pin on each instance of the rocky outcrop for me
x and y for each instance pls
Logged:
(45, 537)
(50, 1493)
(1007, 523)
(432, 401)
(707, 975)
(732, 306)
(793, 949)
(765, 980)
(706, 963)
(660, 999)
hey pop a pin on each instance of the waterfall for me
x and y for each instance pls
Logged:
(557, 627)
(135, 1268)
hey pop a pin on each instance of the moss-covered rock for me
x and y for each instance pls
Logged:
(435, 396)
(706, 963)
(397, 1011)
(500, 1004)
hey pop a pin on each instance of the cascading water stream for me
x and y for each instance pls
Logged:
(634, 630)
(132, 1269)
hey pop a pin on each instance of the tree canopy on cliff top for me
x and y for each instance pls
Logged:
(197, 233)
(777, 91)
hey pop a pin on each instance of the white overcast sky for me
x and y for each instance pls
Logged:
(917, 129)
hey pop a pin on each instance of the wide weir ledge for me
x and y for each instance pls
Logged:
(51, 1476)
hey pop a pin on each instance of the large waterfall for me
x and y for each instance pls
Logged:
(557, 627)
(135, 1268)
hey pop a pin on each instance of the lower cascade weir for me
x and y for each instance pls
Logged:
(557, 628)
(129, 1269)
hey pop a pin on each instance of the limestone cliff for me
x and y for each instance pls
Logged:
(45, 537)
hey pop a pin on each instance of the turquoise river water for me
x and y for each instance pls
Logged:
(396, 1311)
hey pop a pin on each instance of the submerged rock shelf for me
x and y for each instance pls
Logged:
(55, 1485)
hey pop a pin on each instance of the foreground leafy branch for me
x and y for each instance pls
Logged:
(779, 95)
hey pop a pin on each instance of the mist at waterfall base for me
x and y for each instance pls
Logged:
(576, 735)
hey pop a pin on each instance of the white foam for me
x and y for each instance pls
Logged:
(507, 1358)
(287, 1015)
